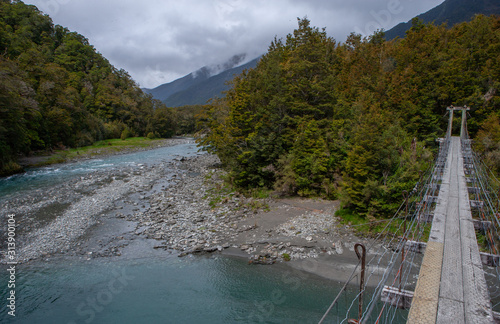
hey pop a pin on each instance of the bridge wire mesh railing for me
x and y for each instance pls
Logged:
(392, 261)
(484, 195)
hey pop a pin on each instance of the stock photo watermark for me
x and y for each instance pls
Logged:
(382, 19)
(52, 7)
(88, 309)
(11, 264)
(293, 279)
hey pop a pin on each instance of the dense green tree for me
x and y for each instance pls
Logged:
(18, 111)
(355, 120)
(186, 118)
(163, 122)
(310, 159)
(268, 105)
(56, 90)
(487, 142)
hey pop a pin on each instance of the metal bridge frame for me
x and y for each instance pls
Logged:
(463, 128)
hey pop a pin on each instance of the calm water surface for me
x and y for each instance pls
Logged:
(171, 290)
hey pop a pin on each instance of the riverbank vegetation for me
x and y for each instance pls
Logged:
(99, 148)
(357, 120)
(57, 91)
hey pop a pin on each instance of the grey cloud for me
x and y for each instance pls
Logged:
(158, 41)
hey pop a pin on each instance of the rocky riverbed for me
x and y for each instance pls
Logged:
(179, 207)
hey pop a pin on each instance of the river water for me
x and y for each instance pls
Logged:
(170, 290)
(153, 288)
(36, 178)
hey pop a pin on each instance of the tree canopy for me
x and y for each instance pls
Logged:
(356, 120)
(56, 90)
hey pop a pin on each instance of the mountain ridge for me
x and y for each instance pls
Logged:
(201, 85)
(200, 93)
(450, 12)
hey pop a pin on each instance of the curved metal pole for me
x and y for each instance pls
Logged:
(361, 256)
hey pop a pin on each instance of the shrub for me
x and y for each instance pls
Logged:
(125, 134)
(10, 168)
(113, 129)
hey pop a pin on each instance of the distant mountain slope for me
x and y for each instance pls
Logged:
(198, 87)
(212, 87)
(164, 91)
(451, 12)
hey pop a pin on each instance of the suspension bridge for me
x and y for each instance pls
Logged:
(442, 266)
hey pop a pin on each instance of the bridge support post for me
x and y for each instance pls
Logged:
(463, 129)
(362, 257)
(450, 121)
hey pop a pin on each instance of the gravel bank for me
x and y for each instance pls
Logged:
(179, 207)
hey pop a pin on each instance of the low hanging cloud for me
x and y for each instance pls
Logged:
(158, 41)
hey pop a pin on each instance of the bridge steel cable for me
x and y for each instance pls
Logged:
(387, 250)
(380, 255)
(485, 192)
(424, 205)
(353, 274)
(400, 260)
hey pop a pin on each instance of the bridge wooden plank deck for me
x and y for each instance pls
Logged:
(451, 287)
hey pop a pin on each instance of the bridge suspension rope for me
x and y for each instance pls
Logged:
(485, 195)
(394, 256)
(387, 248)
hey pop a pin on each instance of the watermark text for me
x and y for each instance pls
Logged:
(11, 263)
(88, 309)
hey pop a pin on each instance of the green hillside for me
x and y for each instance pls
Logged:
(57, 91)
(356, 120)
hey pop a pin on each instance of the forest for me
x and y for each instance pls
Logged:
(57, 91)
(356, 120)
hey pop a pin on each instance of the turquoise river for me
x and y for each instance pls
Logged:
(153, 288)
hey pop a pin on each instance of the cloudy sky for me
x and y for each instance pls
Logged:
(158, 41)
